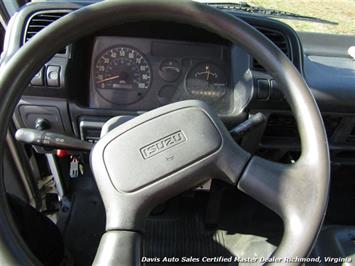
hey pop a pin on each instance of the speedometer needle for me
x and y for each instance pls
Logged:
(108, 79)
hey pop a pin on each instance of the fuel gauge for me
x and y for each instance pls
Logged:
(170, 69)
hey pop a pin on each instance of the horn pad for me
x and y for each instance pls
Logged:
(159, 146)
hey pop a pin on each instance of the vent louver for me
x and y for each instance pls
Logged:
(279, 40)
(41, 20)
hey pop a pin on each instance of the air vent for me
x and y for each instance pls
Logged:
(281, 125)
(284, 125)
(279, 40)
(41, 20)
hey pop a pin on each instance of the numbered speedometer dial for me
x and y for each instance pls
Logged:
(122, 70)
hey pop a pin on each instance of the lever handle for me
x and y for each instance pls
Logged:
(252, 122)
(52, 140)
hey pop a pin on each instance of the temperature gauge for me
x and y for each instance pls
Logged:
(206, 81)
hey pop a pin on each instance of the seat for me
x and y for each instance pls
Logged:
(40, 234)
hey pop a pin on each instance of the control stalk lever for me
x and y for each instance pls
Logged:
(52, 140)
(254, 121)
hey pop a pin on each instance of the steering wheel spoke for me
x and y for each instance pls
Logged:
(119, 248)
(291, 191)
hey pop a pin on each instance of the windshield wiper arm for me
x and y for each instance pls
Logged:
(245, 7)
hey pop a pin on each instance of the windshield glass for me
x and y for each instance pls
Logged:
(329, 16)
(338, 14)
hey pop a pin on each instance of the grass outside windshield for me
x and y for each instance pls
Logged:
(341, 12)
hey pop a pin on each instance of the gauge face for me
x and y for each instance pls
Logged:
(170, 69)
(122, 68)
(206, 81)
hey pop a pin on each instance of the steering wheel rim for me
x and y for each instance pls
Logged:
(298, 193)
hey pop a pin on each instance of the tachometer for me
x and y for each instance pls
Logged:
(122, 70)
(206, 81)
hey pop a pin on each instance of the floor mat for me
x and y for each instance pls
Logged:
(180, 234)
(177, 229)
(182, 237)
(246, 228)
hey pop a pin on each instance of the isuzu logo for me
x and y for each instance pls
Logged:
(163, 144)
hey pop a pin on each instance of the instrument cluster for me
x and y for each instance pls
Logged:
(141, 74)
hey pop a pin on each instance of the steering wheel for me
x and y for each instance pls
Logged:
(171, 149)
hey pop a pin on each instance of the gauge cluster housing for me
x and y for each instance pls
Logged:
(166, 70)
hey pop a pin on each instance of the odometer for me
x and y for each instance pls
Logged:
(122, 69)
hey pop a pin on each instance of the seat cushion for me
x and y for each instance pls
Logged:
(40, 234)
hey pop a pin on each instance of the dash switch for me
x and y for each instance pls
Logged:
(37, 80)
(53, 76)
(263, 89)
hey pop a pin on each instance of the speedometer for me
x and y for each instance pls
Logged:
(122, 70)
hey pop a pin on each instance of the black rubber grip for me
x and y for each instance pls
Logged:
(50, 139)
(252, 122)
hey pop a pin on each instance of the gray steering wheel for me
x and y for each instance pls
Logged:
(173, 148)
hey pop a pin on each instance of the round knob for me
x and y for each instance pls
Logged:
(42, 124)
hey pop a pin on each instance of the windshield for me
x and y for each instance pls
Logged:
(340, 14)
(334, 16)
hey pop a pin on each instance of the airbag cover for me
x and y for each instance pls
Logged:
(158, 147)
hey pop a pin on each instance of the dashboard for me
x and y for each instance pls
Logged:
(135, 67)
(141, 74)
